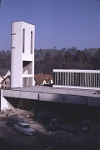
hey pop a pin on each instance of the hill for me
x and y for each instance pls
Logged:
(92, 51)
(40, 54)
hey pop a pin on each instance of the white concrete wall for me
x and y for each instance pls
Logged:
(20, 94)
(4, 102)
(17, 55)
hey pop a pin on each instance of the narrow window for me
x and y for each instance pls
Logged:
(13, 34)
(31, 42)
(23, 41)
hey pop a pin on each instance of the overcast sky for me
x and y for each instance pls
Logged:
(60, 23)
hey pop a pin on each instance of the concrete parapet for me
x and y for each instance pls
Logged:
(49, 95)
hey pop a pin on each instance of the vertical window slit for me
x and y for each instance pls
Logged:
(31, 42)
(23, 41)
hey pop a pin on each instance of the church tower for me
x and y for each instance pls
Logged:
(22, 54)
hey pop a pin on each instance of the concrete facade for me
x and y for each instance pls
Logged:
(59, 95)
(22, 54)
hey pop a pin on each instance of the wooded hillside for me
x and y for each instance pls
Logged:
(49, 59)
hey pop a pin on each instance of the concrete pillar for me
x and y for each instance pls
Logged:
(3, 102)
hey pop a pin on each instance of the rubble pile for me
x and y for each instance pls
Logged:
(64, 136)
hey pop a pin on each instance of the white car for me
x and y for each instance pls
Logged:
(24, 128)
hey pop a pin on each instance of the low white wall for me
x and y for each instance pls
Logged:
(4, 103)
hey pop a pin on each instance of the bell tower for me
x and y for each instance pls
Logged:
(22, 54)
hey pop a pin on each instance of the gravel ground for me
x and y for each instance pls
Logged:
(44, 139)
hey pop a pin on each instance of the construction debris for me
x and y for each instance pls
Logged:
(64, 136)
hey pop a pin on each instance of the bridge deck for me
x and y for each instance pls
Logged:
(66, 95)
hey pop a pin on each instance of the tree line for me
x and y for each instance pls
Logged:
(62, 60)
(5, 59)
(79, 60)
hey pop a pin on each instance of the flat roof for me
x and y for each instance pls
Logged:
(59, 90)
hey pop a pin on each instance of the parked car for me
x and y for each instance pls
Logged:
(24, 128)
(55, 124)
(46, 117)
(56, 121)
(13, 121)
(86, 126)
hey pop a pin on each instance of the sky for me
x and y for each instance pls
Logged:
(58, 23)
